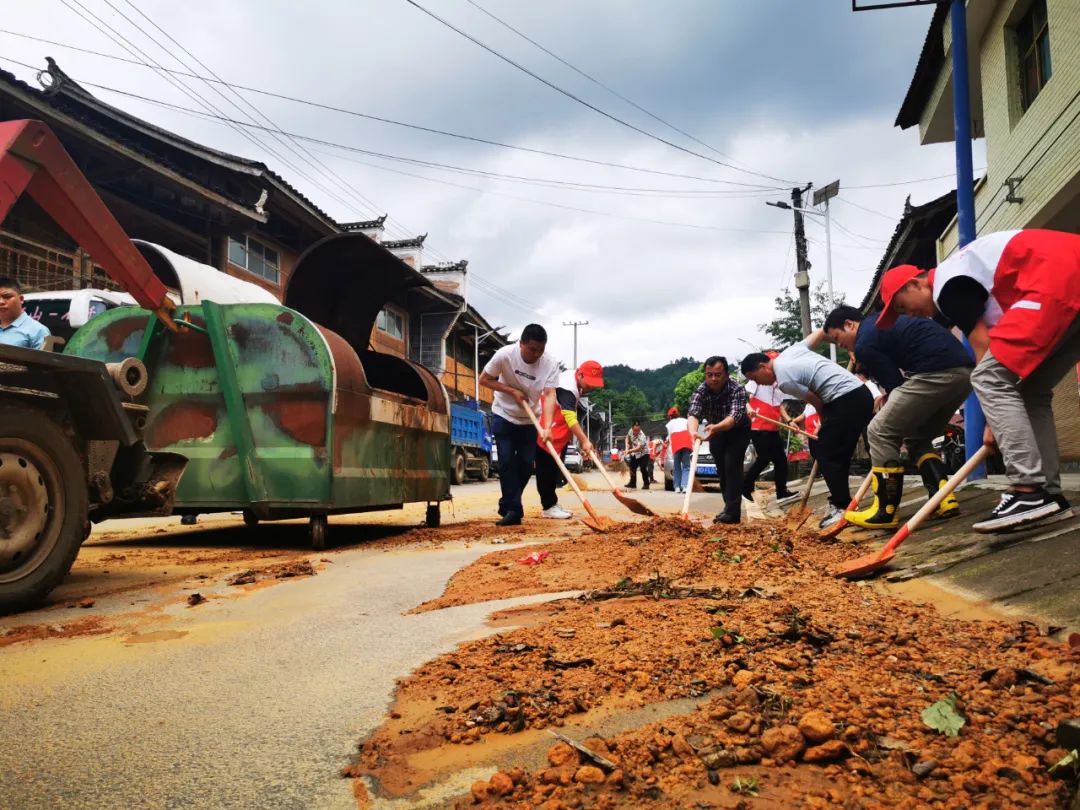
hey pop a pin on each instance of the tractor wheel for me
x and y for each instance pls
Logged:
(433, 516)
(457, 473)
(317, 530)
(485, 469)
(250, 519)
(43, 506)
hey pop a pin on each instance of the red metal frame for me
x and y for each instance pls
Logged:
(33, 160)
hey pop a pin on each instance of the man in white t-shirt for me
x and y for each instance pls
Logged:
(521, 376)
(845, 404)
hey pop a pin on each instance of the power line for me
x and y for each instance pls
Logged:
(892, 219)
(596, 81)
(582, 101)
(389, 121)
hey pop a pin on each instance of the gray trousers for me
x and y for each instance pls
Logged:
(917, 413)
(1020, 415)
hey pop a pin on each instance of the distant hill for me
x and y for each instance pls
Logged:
(656, 383)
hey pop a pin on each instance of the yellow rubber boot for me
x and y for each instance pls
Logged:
(934, 477)
(888, 483)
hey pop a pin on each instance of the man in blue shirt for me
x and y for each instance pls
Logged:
(926, 375)
(16, 327)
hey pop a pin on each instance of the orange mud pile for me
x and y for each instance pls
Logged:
(90, 626)
(809, 690)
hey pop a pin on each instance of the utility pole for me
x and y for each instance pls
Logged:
(802, 275)
(575, 324)
(822, 196)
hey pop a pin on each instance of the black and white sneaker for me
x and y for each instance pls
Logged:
(1019, 509)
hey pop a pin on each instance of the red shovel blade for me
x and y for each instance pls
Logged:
(864, 566)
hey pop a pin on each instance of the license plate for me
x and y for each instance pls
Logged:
(706, 469)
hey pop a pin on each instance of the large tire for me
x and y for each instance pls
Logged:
(457, 471)
(485, 469)
(43, 506)
(433, 516)
(317, 530)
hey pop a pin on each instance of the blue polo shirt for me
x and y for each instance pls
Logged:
(24, 332)
(914, 345)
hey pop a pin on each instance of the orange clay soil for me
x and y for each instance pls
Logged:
(803, 690)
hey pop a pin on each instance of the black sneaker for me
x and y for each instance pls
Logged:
(725, 518)
(510, 519)
(1019, 509)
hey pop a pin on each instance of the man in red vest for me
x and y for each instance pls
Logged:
(1016, 295)
(588, 377)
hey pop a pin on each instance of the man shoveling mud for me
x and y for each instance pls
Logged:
(522, 376)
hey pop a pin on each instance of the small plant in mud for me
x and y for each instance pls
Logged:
(944, 717)
(724, 557)
(745, 786)
(726, 636)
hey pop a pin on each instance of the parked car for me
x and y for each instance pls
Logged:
(64, 311)
(572, 459)
(707, 473)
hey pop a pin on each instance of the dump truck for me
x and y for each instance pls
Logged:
(279, 410)
(470, 443)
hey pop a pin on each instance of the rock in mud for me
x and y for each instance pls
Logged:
(924, 768)
(826, 752)
(742, 679)
(817, 727)
(589, 775)
(740, 722)
(562, 754)
(501, 784)
(784, 743)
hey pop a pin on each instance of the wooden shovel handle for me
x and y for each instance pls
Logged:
(809, 485)
(928, 508)
(690, 477)
(603, 470)
(792, 428)
(562, 468)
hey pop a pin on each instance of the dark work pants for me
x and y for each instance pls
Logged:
(547, 477)
(842, 423)
(769, 447)
(638, 463)
(728, 450)
(517, 456)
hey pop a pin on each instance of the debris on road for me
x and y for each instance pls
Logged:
(195, 599)
(810, 691)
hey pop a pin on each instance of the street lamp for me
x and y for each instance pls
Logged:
(477, 337)
(822, 195)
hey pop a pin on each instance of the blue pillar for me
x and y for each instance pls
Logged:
(974, 422)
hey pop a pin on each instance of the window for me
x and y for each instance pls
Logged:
(255, 257)
(1033, 49)
(391, 322)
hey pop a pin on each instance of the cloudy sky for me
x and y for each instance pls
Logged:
(662, 266)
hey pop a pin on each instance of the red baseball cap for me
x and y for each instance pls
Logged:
(891, 282)
(592, 373)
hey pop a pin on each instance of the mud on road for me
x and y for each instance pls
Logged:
(773, 684)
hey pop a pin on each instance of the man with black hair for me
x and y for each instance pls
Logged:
(16, 327)
(1016, 295)
(720, 405)
(522, 376)
(926, 375)
(845, 405)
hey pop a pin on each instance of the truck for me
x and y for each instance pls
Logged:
(470, 443)
(279, 410)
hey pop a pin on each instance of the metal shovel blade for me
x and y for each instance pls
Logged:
(633, 504)
(864, 566)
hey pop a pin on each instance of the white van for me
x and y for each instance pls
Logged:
(189, 282)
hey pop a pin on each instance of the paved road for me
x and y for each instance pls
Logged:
(259, 705)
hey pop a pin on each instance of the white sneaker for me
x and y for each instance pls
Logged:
(556, 512)
(832, 516)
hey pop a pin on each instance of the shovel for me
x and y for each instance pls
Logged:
(594, 521)
(685, 514)
(634, 505)
(841, 524)
(870, 563)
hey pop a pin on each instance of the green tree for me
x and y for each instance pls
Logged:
(786, 328)
(631, 404)
(686, 386)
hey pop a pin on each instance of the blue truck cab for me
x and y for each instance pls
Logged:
(470, 443)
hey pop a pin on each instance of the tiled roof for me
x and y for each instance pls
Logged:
(931, 59)
(161, 146)
(366, 225)
(446, 267)
(415, 242)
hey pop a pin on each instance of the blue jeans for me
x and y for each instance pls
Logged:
(517, 457)
(680, 467)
